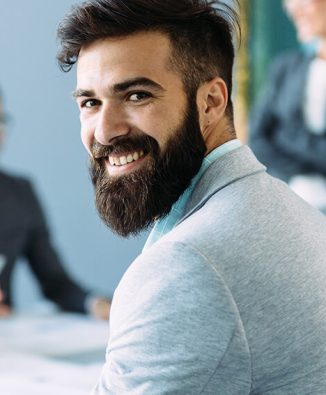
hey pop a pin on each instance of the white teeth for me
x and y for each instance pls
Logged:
(123, 160)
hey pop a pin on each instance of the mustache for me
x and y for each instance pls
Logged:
(125, 144)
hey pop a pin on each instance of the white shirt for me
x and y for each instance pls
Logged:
(315, 97)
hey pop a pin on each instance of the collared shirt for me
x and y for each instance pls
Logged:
(167, 223)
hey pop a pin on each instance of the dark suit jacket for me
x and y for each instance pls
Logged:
(23, 232)
(278, 133)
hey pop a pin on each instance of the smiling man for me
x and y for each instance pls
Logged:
(145, 147)
(228, 296)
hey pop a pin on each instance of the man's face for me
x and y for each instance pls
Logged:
(309, 17)
(139, 126)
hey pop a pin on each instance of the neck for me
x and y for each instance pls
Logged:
(218, 134)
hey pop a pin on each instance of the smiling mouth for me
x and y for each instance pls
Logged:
(123, 160)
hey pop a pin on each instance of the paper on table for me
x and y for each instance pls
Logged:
(53, 335)
(35, 375)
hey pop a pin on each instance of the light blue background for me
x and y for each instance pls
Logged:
(43, 143)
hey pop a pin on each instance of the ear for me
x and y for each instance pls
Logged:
(212, 99)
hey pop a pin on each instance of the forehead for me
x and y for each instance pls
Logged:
(110, 60)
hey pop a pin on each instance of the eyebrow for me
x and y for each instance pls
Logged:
(134, 82)
(82, 93)
(121, 87)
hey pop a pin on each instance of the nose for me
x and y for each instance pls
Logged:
(111, 124)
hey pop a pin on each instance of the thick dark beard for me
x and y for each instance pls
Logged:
(131, 203)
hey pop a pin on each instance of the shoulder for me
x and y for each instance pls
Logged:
(170, 308)
(172, 260)
(174, 276)
(164, 260)
(15, 183)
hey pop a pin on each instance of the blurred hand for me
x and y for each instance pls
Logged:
(100, 308)
(4, 309)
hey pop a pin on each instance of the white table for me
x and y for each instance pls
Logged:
(57, 354)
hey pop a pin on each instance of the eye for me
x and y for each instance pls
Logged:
(89, 103)
(139, 96)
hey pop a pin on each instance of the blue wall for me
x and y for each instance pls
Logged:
(44, 143)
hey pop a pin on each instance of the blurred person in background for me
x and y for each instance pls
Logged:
(24, 233)
(288, 124)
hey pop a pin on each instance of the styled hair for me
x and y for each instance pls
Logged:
(200, 32)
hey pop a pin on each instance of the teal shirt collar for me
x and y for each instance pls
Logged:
(167, 223)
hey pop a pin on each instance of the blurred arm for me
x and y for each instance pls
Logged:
(44, 261)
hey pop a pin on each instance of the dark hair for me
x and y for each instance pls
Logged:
(200, 32)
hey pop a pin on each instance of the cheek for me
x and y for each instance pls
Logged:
(159, 123)
(146, 120)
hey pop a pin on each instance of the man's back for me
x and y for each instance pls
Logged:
(270, 249)
(236, 313)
